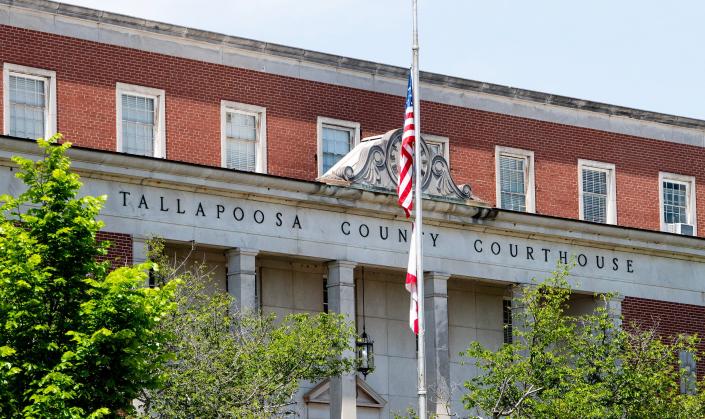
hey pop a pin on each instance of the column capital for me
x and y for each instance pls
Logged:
(436, 284)
(341, 264)
(237, 251)
(617, 298)
(440, 276)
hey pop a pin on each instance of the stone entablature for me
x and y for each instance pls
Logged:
(272, 215)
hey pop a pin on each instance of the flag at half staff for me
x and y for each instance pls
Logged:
(406, 167)
(406, 151)
(411, 284)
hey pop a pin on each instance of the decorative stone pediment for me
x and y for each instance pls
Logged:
(374, 164)
(366, 396)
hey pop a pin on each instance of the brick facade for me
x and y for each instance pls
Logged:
(669, 320)
(120, 250)
(88, 71)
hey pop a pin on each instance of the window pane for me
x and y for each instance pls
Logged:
(435, 148)
(512, 183)
(240, 154)
(507, 320)
(336, 144)
(242, 126)
(241, 141)
(675, 203)
(138, 125)
(27, 107)
(594, 195)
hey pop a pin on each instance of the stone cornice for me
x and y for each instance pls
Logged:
(267, 188)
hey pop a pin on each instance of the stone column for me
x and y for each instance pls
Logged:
(518, 310)
(241, 279)
(436, 337)
(139, 249)
(614, 310)
(341, 299)
(139, 252)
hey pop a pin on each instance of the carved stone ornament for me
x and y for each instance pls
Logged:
(374, 164)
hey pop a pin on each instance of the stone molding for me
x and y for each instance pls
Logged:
(374, 164)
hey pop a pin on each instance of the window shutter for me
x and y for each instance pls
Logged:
(337, 142)
(513, 172)
(242, 135)
(675, 203)
(594, 195)
(27, 106)
(138, 125)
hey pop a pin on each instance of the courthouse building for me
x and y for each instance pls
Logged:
(280, 163)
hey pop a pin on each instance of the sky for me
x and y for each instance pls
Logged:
(645, 54)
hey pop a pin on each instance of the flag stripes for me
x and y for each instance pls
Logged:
(406, 198)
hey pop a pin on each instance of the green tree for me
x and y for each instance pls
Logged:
(238, 364)
(579, 366)
(75, 339)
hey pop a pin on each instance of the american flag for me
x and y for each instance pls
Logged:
(406, 201)
(405, 152)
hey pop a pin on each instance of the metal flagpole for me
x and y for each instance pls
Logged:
(418, 217)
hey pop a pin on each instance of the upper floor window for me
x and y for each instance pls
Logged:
(335, 139)
(677, 198)
(438, 145)
(597, 192)
(140, 120)
(243, 137)
(515, 179)
(29, 97)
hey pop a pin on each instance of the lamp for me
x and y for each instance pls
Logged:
(364, 345)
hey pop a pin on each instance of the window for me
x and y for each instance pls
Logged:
(515, 179)
(29, 97)
(438, 145)
(507, 320)
(677, 199)
(335, 139)
(597, 192)
(140, 121)
(325, 294)
(688, 372)
(243, 137)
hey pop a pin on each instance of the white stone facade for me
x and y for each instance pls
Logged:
(280, 239)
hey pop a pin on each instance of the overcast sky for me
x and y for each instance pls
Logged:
(645, 54)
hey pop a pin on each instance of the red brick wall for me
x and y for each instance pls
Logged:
(120, 250)
(669, 319)
(87, 73)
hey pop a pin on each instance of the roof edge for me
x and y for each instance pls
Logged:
(350, 64)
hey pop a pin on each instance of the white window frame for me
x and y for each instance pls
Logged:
(438, 139)
(609, 168)
(160, 110)
(691, 208)
(261, 142)
(528, 157)
(49, 78)
(353, 127)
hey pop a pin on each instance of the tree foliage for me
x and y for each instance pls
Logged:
(238, 364)
(75, 339)
(579, 366)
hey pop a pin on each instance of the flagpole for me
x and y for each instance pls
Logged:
(418, 217)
